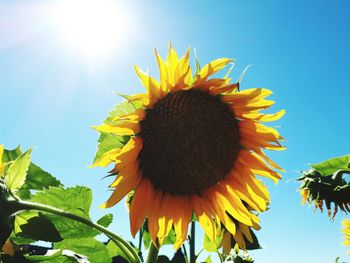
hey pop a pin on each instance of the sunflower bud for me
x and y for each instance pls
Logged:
(320, 189)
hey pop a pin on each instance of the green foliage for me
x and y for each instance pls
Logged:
(80, 199)
(330, 166)
(106, 220)
(72, 240)
(10, 155)
(94, 250)
(211, 246)
(16, 174)
(208, 260)
(35, 179)
(106, 141)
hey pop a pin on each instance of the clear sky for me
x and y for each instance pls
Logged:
(52, 89)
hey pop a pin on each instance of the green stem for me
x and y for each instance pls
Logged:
(185, 252)
(152, 254)
(140, 238)
(192, 241)
(127, 249)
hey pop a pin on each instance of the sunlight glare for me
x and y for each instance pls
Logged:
(92, 27)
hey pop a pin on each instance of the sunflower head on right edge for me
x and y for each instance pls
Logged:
(192, 144)
(346, 232)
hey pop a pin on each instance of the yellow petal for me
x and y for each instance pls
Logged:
(271, 117)
(140, 205)
(1, 152)
(143, 98)
(305, 195)
(213, 67)
(172, 61)
(129, 152)
(257, 165)
(253, 184)
(153, 225)
(247, 96)
(184, 67)
(203, 213)
(125, 128)
(163, 73)
(123, 185)
(107, 158)
(137, 115)
(152, 85)
(220, 212)
(233, 205)
(165, 219)
(252, 199)
(182, 218)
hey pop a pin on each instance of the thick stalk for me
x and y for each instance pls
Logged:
(192, 243)
(126, 248)
(152, 254)
(140, 238)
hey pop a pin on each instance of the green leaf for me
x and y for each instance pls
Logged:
(20, 240)
(75, 200)
(330, 166)
(36, 179)
(94, 250)
(211, 246)
(22, 219)
(16, 173)
(208, 260)
(106, 220)
(80, 199)
(40, 228)
(122, 109)
(10, 155)
(171, 238)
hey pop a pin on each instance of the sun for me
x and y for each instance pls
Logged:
(92, 28)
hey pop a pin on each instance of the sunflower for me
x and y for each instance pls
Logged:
(346, 231)
(330, 189)
(194, 147)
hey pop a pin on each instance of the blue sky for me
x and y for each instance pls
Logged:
(51, 93)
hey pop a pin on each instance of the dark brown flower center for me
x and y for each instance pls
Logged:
(190, 142)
